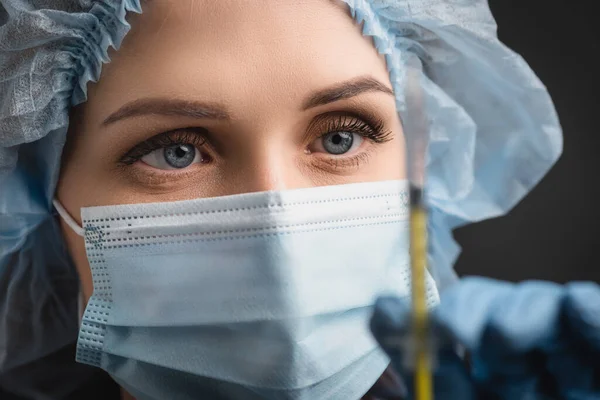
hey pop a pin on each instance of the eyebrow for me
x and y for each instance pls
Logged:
(216, 111)
(346, 90)
(168, 107)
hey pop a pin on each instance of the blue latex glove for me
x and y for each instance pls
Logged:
(534, 340)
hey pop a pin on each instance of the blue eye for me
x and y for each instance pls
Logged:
(177, 156)
(338, 143)
(180, 156)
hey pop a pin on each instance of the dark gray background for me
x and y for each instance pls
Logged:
(553, 233)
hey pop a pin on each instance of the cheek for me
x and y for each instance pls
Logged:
(389, 163)
(396, 153)
(88, 178)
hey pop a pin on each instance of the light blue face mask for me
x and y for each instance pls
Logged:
(259, 295)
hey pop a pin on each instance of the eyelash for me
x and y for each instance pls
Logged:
(373, 131)
(192, 136)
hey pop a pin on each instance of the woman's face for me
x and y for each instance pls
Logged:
(209, 98)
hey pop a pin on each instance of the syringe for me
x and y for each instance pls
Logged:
(416, 132)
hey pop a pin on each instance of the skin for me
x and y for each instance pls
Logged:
(259, 60)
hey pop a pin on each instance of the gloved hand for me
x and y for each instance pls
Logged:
(534, 340)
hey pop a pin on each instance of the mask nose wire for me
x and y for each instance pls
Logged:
(64, 214)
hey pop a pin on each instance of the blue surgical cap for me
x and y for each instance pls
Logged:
(493, 134)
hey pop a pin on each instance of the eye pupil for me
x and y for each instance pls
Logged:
(180, 155)
(338, 142)
(181, 151)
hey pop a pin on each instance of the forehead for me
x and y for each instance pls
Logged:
(245, 22)
(223, 49)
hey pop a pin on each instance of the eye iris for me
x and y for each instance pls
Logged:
(180, 155)
(338, 142)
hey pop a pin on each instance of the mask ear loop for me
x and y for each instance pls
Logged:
(64, 214)
(68, 219)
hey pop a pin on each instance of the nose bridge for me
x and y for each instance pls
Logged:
(268, 164)
(271, 171)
